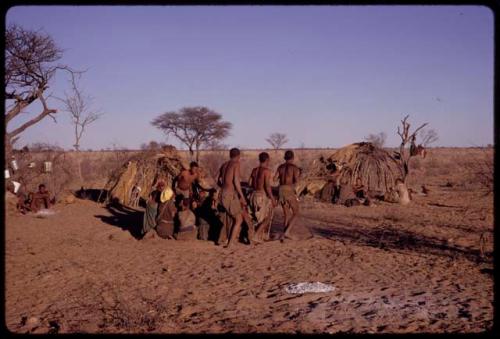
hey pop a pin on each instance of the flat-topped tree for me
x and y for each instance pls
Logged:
(30, 64)
(194, 127)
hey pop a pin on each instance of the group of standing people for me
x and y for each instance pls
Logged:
(190, 211)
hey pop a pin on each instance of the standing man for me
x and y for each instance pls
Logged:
(184, 181)
(288, 175)
(262, 201)
(231, 196)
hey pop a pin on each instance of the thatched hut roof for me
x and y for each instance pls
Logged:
(374, 165)
(144, 170)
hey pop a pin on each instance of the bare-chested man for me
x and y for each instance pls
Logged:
(288, 175)
(231, 196)
(183, 183)
(262, 201)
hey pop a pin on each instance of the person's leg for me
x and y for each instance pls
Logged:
(250, 227)
(295, 212)
(35, 204)
(259, 229)
(46, 201)
(235, 231)
(286, 218)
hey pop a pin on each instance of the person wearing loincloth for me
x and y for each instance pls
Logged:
(231, 198)
(261, 201)
(183, 183)
(288, 175)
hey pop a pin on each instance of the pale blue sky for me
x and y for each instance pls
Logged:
(324, 75)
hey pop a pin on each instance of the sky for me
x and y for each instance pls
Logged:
(326, 76)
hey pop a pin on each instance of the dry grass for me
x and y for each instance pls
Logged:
(474, 166)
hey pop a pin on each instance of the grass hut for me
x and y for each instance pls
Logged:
(374, 165)
(139, 175)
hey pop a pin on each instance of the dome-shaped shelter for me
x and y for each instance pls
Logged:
(139, 175)
(375, 166)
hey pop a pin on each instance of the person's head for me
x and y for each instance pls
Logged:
(42, 188)
(264, 158)
(399, 181)
(160, 185)
(289, 155)
(234, 154)
(193, 167)
(359, 181)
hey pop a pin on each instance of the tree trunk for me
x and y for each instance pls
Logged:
(77, 137)
(8, 148)
(197, 152)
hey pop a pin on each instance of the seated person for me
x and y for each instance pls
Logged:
(403, 194)
(360, 192)
(187, 222)
(40, 199)
(151, 212)
(166, 214)
(205, 212)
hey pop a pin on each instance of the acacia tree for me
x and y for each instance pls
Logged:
(277, 140)
(30, 65)
(78, 105)
(405, 153)
(194, 127)
(377, 139)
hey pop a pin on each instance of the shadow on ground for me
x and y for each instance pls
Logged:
(127, 219)
(390, 238)
(97, 195)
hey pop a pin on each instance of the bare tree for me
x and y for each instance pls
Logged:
(30, 65)
(277, 140)
(377, 139)
(428, 136)
(79, 106)
(403, 156)
(194, 127)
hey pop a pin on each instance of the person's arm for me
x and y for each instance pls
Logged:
(267, 187)
(277, 174)
(296, 175)
(237, 182)
(250, 180)
(219, 178)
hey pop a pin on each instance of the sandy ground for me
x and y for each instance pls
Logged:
(395, 270)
